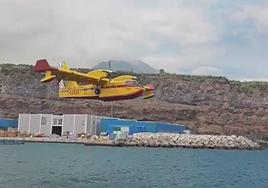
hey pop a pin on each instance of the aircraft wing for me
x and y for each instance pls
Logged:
(67, 74)
(123, 79)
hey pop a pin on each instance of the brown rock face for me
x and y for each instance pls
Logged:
(211, 105)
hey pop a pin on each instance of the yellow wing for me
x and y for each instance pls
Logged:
(122, 79)
(97, 77)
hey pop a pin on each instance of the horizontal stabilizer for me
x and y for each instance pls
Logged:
(48, 78)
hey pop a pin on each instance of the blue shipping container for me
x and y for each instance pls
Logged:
(110, 124)
(5, 123)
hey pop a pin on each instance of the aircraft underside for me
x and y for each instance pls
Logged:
(105, 94)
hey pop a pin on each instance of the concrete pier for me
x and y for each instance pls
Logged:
(155, 140)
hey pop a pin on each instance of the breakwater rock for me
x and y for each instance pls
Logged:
(192, 141)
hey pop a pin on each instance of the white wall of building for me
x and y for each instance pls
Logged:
(23, 123)
(34, 123)
(45, 124)
(93, 125)
(68, 121)
(80, 123)
(72, 123)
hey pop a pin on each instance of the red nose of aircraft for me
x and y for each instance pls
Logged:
(149, 91)
(150, 86)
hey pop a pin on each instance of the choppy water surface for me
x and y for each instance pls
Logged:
(69, 166)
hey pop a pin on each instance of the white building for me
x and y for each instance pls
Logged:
(49, 124)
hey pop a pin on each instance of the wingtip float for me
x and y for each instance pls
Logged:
(95, 84)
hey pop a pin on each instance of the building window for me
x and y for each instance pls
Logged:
(59, 121)
(44, 121)
(83, 123)
(55, 121)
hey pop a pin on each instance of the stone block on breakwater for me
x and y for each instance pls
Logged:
(192, 141)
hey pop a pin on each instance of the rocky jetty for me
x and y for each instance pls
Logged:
(192, 141)
(150, 140)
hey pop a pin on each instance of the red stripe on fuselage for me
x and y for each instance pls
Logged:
(123, 97)
(117, 86)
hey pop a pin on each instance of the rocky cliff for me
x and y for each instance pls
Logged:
(211, 105)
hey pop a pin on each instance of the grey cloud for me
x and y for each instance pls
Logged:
(90, 31)
(175, 36)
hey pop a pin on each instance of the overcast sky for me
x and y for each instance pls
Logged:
(212, 37)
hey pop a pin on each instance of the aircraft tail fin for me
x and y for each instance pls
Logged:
(43, 66)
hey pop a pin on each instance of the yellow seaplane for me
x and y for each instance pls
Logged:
(95, 84)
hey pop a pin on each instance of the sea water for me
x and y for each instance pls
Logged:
(74, 166)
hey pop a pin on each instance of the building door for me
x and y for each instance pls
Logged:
(57, 130)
